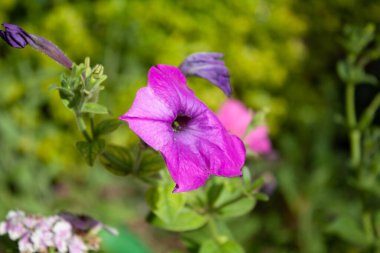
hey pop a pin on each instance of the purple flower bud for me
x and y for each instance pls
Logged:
(80, 223)
(210, 67)
(16, 37)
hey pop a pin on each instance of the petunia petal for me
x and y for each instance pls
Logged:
(203, 148)
(169, 84)
(150, 118)
(184, 167)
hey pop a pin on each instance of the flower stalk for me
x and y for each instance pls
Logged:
(354, 132)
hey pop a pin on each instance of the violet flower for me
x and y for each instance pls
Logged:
(210, 67)
(236, 118)
(80, 223)
(16, 37)
(167, 116)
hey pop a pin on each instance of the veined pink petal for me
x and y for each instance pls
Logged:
(185, 167)
(193, 142)
(235, 117)
(258, 140)
(150, 118)
(169, 84)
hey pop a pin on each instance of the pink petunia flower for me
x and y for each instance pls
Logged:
(236, 118)
(168, 117)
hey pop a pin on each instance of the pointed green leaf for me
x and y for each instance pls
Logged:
(213, 192)
(348, 229)
(185, 220)
(211, 246)
(90, 150)
(106, 126)
(164, 203)
(151, 162)
(238, 208)
(94, 108)
(117, 160)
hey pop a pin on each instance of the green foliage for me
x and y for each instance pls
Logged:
(211, 246)
(282, 55)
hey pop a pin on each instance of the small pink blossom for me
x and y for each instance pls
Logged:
(77, 245)
(236, 118)
(40, 234)
(62, 232)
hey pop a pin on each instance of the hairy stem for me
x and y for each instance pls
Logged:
(82, 126)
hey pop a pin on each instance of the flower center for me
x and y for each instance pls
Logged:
(180, 122)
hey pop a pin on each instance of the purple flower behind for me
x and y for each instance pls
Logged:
(80, 223)
(193, 142)
(16, 37)
(210, 67)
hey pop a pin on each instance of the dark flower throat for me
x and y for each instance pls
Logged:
(180, 122)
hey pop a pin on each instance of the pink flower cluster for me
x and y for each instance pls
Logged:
(42, 234)
(236, 118)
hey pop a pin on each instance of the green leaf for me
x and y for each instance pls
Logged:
(185, 220)
(354, 74)
(261, 196)
(246, 176)
(213, 193)
(90, 150)
(211, 246)
(151, 162)
(348, 229)
(117, 160)
(343, 71)
(106, 126)
(169, 211)
(238, 208)
(94, 108)
(165, 204)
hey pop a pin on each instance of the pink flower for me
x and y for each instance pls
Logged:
(77, 245)
(236, 118)
(193, 142)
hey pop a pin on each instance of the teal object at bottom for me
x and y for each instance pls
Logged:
(124, 242)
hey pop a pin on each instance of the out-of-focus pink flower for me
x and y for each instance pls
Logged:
(259, 141)
(236, 118)
(77, 245)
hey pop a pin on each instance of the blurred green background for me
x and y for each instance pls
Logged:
(281, 55)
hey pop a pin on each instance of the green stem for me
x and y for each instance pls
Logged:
(368, 228)
(214, 229)
(82, 126)
(369, 113)
(355, 134)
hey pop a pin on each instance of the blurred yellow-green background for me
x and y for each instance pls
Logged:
(281, 55)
